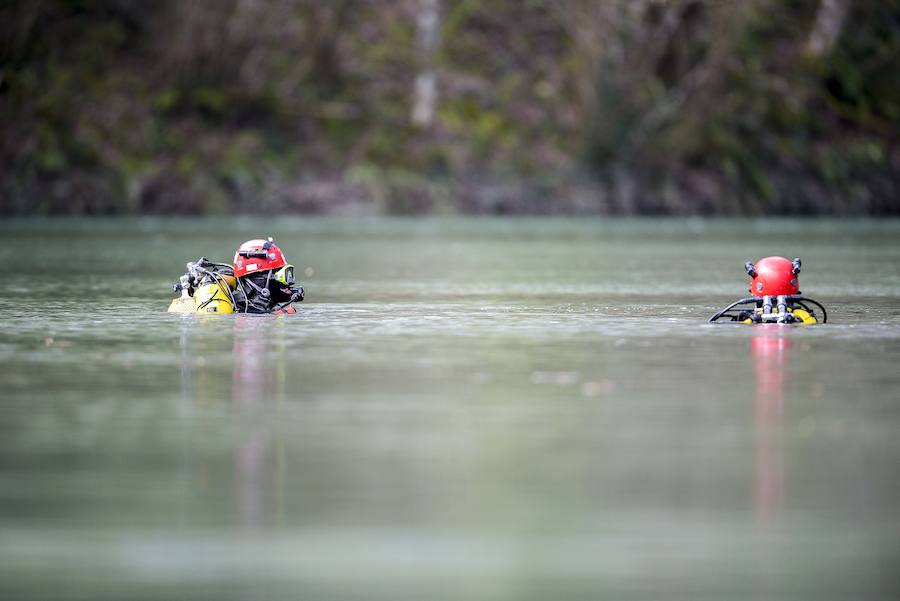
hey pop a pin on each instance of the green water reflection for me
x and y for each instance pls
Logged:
(463, 409)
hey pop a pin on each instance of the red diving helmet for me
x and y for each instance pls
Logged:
(257, 255)
(774, 276)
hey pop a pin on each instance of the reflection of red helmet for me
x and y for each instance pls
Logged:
(257, 255)
(774, 276)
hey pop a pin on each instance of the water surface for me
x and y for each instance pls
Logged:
(463, 409)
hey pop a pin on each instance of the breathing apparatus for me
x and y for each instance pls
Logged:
(206, 287)
(775, 286)
(259, 281)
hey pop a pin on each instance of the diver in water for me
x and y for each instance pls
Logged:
(259, 281)
(265, 280)
(775, 286)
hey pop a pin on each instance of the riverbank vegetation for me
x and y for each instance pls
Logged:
(445, 106)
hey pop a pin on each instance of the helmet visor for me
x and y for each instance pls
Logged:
(285, 275)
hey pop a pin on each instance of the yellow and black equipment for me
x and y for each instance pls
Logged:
(206, 288)
(783, 309)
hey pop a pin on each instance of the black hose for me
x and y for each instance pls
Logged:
(790, 298)
(222, 284)
(815, 302)
(743, 301)
(248, 302)
(284, 305)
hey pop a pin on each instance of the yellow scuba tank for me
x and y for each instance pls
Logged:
(211, 295)
(804, 317)
(183, 304)
(213, 298)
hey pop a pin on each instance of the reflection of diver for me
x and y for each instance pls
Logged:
(258, 383)
(770, 350)
(259, 281)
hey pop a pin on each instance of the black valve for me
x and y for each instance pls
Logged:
(796, 264)
(751, 271)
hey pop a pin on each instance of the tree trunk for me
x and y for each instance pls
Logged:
(425, 93)
(827, 27)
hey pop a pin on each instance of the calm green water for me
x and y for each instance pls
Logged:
(464, 409)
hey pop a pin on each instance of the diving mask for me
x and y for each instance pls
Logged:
(285, 275)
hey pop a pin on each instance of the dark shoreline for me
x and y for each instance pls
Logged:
(419, 196)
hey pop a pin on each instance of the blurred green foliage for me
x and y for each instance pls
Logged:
(631, 106)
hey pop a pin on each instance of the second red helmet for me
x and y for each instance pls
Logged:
(774, 276)
(257, 255)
